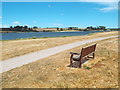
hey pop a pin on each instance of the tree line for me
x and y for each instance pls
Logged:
(96, 28)
(87, 28)
(35, 28)
(23, 28)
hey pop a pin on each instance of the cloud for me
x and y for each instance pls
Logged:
(57, 24)
(26, 25)
(99, 0)
(0, 17)
(109, 3)
(109, 6)
(4, 26)
(107, 9)
(16, 22)
(34, 21)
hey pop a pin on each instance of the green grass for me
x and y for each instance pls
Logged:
(36, 38)
(86, 67)
(91, 33)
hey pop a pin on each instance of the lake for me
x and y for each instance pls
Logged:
(13, 36)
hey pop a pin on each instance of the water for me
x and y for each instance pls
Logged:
(13, 36)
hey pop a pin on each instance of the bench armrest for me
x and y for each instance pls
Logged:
(74, 53)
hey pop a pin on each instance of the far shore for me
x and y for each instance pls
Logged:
(8, 31)
(52, 31)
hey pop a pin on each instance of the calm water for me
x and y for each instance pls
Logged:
(13, 36)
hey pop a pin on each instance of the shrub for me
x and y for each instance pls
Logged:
(86, 67)
(33, 37)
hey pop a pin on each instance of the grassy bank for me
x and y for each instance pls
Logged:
(36, 38)
(54, 71)
(13, 48)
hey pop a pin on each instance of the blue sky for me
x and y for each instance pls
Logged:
(60, 14)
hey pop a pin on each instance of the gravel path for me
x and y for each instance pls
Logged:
(9, 64)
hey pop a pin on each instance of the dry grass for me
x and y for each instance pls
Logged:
(15, 48)
(53, 71)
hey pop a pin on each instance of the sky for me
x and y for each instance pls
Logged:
(60, 14)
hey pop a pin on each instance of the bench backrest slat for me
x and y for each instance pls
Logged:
(87, 50)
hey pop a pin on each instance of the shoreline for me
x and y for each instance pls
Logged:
(34, 37)
(37, 38)
(55, 31)
(13, 48)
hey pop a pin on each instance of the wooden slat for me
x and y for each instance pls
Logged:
(87, 50)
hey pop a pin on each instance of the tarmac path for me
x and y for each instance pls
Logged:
(12, 63)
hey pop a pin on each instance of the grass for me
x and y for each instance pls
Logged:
(86, 67)
(91, 33)
(53, 71)
(34, 37)
(13, 48)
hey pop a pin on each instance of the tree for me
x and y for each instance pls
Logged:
(11, 27)
(57, 29)
(35, 27)
(102, 27)
(72, 28)
(25, 26)
(90, 28)
(17, 28)
(61, 29)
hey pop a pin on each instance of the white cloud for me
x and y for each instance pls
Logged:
(4, 26)
(109, 6)
(99, 0)
(57, 24)
(16, 22)
(0, 17)
(26, 25)
(109, 3)
(107, 9)
(34, 21)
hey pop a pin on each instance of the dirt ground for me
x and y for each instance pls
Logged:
(15, 48)
(54, 71)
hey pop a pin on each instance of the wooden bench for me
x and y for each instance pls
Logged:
(85, 53)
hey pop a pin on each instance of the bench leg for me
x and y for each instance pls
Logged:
(80, 64)
(93, 55)
(71, 61)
